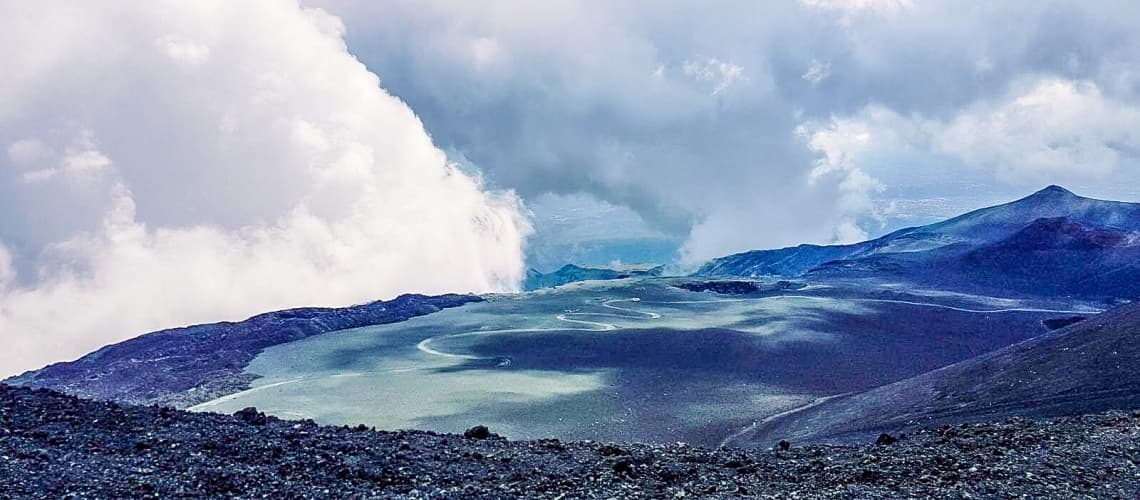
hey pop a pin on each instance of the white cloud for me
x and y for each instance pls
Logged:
(7, 273)
(597, 99)
(1052, 127)
(183, 50)
(839, 144)
(879, 6)
(41, 163)
(26, 153)
(1040, 131)
(487, 54)
(277, 173)
(722, 74)
(817, 72)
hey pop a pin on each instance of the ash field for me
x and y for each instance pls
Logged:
(630, 360)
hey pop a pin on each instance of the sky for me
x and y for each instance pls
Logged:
(731, 125)
(173, 162)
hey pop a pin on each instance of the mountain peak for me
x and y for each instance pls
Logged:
(1054, 190)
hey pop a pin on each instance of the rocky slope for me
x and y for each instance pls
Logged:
(52, 445)
(1089, 366)
(185, 366)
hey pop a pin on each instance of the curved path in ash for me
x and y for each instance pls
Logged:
(590, 326)
(633, 314)
(595, 326)
(724, 443)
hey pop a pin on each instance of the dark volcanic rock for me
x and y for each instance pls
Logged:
(1058, 323)
(185, 366)
(725, 287)
(477, 432)
(58, 446)
(886, 439)
(251, 416)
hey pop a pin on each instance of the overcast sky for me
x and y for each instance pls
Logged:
(171, 162)
(731, 125)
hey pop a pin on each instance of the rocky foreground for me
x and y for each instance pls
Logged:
(52, 445)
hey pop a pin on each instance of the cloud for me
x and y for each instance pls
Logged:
(817, 72)
(169, 163)
(720, 74)
(859, 5)
(840, 144)
(688, 114)
(1040, 131)
(1052, 127)
(182, 50)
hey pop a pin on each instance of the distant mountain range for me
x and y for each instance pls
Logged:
(1052, 242)
(571, 273)
(1087, 367)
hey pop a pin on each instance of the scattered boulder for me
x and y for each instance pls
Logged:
(783, 445)
(1058, 323)
(624, 468)
(610, 450)
(477, 432)
(886, 439)
(251, 416)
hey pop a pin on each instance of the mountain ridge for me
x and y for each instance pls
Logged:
(189, 365)
(572, 273)
(945, 253)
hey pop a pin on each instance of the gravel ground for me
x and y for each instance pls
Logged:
(52, 445)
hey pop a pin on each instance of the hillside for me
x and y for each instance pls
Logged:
(1086, 367)
(185, 366)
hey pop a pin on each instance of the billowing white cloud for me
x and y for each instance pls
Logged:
(173, 162)
(612, 99)
(1052, 127)
(839, 144)
(1041, 130)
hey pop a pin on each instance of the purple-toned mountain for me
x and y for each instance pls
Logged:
(1086, 367)
(185, 366)
(1052, 242)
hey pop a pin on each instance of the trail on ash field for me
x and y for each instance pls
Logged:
(633, 314)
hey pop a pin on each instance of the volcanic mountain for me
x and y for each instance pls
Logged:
(1052, 242)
